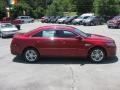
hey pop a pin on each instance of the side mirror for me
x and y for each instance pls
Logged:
(78, 37)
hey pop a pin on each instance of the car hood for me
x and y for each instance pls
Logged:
(96, 37)
(9, 29)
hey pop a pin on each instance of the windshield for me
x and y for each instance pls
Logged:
(63, 17)
(7, 26)
(90, 18)
(81, 33)
(71, 17)
(80, 17)
(116, 18)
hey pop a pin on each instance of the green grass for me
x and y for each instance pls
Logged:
(70, 13)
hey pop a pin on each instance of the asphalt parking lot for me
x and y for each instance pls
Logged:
(60, 73)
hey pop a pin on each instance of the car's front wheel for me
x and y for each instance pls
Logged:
(97, 55)
(31, 55)
(109, 26)
(119, 26)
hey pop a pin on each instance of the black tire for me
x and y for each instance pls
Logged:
(109, 26)
(80, 23)
(84, 24)
(31, 55)
(92, 24)
(97, 55)
(2, 36)
(119, 26)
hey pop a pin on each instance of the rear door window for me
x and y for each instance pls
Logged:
(45, 33)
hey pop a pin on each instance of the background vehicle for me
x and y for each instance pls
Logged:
(81, 18)
(61, 20)
(25, 19)
(43, 19)
(93, 20)
(7, 29)
(69, 20)
(55, 19)
(49, 19)
(62, 41)
(17, 23)
(114, 23)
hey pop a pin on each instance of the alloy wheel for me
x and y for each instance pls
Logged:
(31, 55)
(97, 55)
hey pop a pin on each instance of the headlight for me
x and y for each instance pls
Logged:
(110, 44)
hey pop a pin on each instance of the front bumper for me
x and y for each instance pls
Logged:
(111, 51)
(112, 24)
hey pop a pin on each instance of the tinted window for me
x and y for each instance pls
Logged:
(81, 33)
(57, 33)
(86, 17)
(64, 34)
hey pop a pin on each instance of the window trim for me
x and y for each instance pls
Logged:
(68, 31)
(54, 36)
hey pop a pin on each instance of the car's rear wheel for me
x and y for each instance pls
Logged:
(92, 24)
(84, 24)
(31, 55)
(119, 26)
(1, 35)
(109, 26)
(97, 55)
(80, 23)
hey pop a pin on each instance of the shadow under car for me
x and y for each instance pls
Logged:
(51, 60)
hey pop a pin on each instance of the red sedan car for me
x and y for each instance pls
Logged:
(62, 41)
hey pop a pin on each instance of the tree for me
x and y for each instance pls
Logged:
(22, 8)
(84, 6)
(55, 8)
(2, 8)
(38, 12)
(58, 7)
(106, 7)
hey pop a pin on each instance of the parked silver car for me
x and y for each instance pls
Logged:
(25, 19)
(93, 20)
(7, 29)
(61, 20)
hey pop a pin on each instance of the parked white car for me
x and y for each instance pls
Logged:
(61, 20)
(81, 18)
(25, 19)
(7, 29)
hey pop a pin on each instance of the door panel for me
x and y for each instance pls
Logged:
(69, 46)
(63, 45)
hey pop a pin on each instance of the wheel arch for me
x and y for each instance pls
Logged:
(97, 47)
(30, 47)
